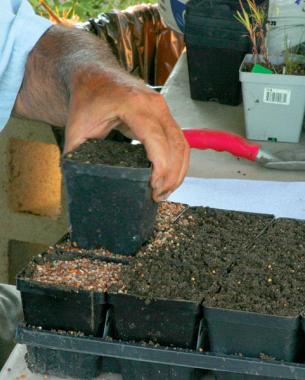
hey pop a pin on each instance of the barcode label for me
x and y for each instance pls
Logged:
(277, 96)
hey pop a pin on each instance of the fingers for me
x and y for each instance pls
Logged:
(157, 149)
(147, 118)
(180, 151)
(165, 144)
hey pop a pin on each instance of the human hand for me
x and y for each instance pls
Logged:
(72, 79)
(102, 103)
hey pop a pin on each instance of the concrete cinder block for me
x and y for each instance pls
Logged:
(32, 204)
(34, 178)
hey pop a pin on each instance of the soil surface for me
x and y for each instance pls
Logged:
(113, 153)
(226, 259)
(85, 273)
(278, 69)
(193, 255)
(269, 278)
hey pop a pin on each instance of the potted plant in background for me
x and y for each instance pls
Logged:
(273, 87)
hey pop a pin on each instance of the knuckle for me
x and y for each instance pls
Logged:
(180, 145)
(158, 99)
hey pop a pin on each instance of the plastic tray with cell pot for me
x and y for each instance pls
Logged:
(76, 330)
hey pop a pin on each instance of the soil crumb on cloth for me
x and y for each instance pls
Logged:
(112, 153)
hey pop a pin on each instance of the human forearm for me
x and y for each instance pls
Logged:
(60, 57)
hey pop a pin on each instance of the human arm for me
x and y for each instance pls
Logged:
(72, 79)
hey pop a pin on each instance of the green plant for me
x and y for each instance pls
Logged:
(80, 9)
(253, 19)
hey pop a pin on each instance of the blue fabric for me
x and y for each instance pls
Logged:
(20, 29)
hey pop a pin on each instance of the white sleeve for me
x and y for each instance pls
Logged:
(20, 29)
(10, 311)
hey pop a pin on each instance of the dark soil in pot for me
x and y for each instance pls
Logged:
(64, 292)
(257, 308)
(111, 153)
(269, 277)
(188, 259)
(190, 256)
(109, 196)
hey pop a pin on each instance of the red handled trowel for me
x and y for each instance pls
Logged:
(240, 147)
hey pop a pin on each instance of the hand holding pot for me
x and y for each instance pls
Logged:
(73, 79)
(105, 101)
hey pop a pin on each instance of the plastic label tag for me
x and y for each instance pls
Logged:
(277, 96)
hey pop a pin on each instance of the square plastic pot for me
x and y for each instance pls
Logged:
(218, 9)
(207, 45)
(140, 370)
(59, 307)
(162, 321)
(248, 334)
(210, 81)
(274, 104)
(109, 207)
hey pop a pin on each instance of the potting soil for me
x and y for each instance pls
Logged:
(113, 153)
(278, 69)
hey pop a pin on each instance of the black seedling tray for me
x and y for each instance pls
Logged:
(63, 363)
(109, 207)
(163, 321)
(162, 355)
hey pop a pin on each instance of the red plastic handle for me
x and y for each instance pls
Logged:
(221, 142)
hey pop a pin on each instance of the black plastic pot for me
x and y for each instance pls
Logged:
(162, 321)
(248, 334)
(206, 49)
(61, 308)
(109, 207)
(137, 370)
(223, 9)
(210, 81)
(216, 45)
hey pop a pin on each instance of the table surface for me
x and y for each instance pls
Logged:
(197, 114)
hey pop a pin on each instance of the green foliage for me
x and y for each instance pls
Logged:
(291, 64)
(253, 19)
(84, 9)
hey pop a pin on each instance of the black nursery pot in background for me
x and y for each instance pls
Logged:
(109, 206)
(216, 44)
